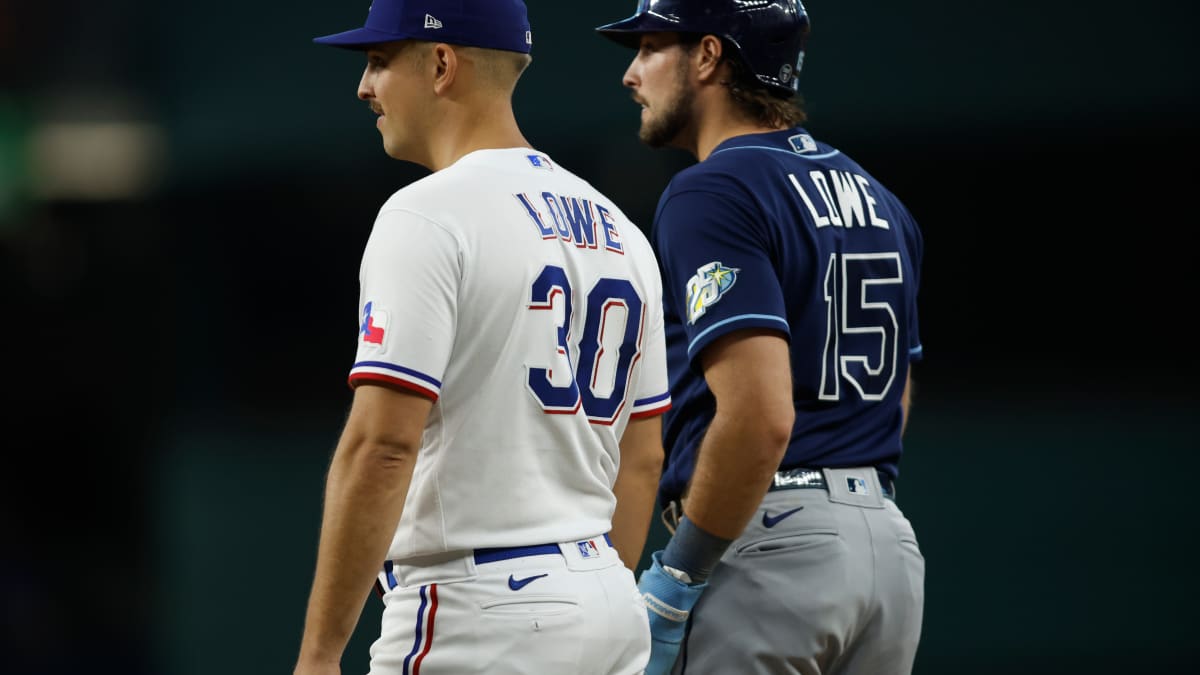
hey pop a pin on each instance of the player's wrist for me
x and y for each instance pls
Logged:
(678, 574)
(693, 552)
(668, 600)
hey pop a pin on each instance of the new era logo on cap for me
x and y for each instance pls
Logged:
(490, 24)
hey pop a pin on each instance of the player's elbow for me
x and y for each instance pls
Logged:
(389, 450)
(645, 460)
(765, 425)
(776, 431)
(381, 450)
(641, 448)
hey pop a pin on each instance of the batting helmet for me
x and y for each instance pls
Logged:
(769, 34)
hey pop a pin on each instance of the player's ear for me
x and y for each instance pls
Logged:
(445, 64)
(706, 56)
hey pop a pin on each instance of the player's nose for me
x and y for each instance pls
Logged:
(365, 90)
(630, 78)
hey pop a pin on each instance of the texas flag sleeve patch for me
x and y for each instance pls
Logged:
(372, 364)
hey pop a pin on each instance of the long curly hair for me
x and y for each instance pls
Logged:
(757, 101)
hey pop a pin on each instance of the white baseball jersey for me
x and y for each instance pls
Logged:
(529, 308)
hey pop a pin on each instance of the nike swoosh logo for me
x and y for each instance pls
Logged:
(518, 584)
(772, 521)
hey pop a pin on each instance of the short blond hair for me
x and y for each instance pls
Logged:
(498, 67)
(495, 69)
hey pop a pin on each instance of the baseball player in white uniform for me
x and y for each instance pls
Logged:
(496, 475)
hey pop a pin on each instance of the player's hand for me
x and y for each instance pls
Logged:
(669, 601)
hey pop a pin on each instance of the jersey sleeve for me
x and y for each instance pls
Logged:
(408, 283)
(717, 271)
(652, 396)
(915, 244)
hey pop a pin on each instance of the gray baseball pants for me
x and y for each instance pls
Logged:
(826, 581)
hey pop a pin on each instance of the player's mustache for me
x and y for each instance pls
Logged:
(374, 108)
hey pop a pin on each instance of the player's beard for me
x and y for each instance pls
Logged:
(674, 116)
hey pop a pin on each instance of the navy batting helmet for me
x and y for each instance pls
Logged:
(769, 34)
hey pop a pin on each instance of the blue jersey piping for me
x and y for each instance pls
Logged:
(731, 319)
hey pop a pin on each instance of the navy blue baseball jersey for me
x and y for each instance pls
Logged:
(778, 231)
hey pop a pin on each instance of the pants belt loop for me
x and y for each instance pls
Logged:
(671, 515)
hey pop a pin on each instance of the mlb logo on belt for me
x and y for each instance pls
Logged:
(857, 485)
(588, 549)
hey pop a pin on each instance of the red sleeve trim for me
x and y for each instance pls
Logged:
(357, 378)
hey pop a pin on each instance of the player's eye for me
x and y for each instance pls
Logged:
(648, 45)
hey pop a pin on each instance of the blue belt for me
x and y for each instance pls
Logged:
(488, 555)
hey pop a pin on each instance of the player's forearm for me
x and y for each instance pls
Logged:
(636, 487)
(749, 374)
(364, 497)
(738, 458)
(635, 490)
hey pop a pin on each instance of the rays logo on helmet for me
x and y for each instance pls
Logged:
(706, 288)
(373, 325)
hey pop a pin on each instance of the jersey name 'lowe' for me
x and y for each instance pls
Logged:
(856, 260)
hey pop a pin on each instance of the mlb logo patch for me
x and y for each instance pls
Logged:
(857, 485)
(374, 324)
(588, 549)
(803, 143)
(540, 162)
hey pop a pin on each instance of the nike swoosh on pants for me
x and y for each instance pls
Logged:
(518, 584)
(771, 521)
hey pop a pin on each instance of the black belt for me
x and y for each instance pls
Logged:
(802, 478)
(799, 478)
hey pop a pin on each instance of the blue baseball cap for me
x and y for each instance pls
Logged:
(491, 24)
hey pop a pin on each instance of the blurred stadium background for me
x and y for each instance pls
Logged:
(185, 189)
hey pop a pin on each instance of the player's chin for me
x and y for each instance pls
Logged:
(653, 136)
(393, 149)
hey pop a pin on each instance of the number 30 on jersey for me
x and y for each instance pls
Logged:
(608, 348)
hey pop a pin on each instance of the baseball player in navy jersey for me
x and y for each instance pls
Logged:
(495, 478)
(790, 280)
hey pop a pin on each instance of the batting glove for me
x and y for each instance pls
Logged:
(669, 601)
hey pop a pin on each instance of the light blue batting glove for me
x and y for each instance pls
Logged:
(669, 601)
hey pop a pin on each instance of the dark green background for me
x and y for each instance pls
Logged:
(175, 364)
